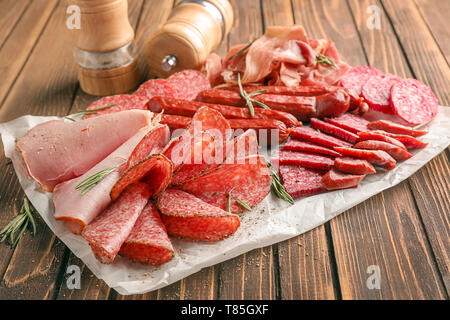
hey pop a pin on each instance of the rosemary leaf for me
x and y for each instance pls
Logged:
(241, 51)
(262, 105)
(277, 187)
(246, 97)
(69, 118)
(93, 111)
(255, 93)
(29, 209)
(14, 243)
(90, 182)
(228, 208)
(322, 59)
(243, 205)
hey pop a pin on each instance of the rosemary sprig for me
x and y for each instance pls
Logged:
(277, 186)
(423, 124)
(241, 51)
(228, 207)
(19, 224)
(249, 98)
(243, 205)
(91, 111)
(322, 59)
(90, 182)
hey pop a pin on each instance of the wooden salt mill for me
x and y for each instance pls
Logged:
(104, 51)
(194, 29)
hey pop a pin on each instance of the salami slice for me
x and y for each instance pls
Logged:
(175, 122)
(188, 217)
(116, 103)
(148, 241)
(354, 80)
(353, 166)
(349, 122)
(396, 152)
(111, 228)
(306, 160)
(155, 87)
(297, 145)
(188, 84)
(409, 142)
(377, 92)
(375, 135)
(299, 181)
(335, 179)
(392, 127)
(377, 157)
(334, 130)
(311, 135)
(248, 180)
(413, 101)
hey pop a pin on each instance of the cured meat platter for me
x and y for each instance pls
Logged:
(196, 168)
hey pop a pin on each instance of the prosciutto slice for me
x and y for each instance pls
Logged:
(78, 210)
(56, 151)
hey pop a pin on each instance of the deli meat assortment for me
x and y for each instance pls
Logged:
(180, 157)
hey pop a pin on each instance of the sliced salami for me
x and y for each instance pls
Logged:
(377, 157)
(392, 127)
(306, 160)
(377, 92)
(188, 84)
(297, 145)
(333, 130)
(111, 228)
(354, 80)
(247, 180)
(375, 135)
(188, 217)
(311, 135)
(334, 180)
(353, 166)
(148, 241)
(409, 142)
(155, 87)
(413, 101)
(396, 152)
(349, 122)
(175, 122)
(299, 181)
(116, 103)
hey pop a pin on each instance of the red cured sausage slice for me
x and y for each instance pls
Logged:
(349, 122)
(188, 84)
(413, 101)
(148, 241)
(377, 157)
(374, 135)
(335, 179)
(268, 129)
(377, 92)
(247, 179)
(334, 131)
(155, 87)
(175, 122)
(311, 161)
(297, 145)
(311, 135)
(332, 104)
(299, 181)
(188, 217)
(396, 128)
(111, 228)
(354, 80)
(396, 152)
(409, 142)
(353, 166)
(117, 103)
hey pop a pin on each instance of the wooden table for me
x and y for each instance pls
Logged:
(404, 230)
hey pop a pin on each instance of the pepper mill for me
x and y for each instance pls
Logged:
(194, 29)
(104, 52)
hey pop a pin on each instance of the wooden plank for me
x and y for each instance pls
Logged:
(435, 14)
(17, 47)
(9, 18)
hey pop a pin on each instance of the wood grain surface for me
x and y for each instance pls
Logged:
(403, 231)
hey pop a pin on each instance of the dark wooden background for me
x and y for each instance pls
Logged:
(404, 230)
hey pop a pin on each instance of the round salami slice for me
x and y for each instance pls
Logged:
(377, 92)
(188, 84)
(116, 103)
(354, 80)
(156, 88)
(413, 101)
(188, 217)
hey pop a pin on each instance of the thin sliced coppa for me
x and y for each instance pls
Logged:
(188, 84)
(111, 228)
(311, 135)
(299, 181)
(188, 217)
(413, 101)
(377, 92)
(409, 142)
(353, 166)
(117, 103)
(392, 127)
(148, 241)
(374, 135)
(307, 160)
(297, 145)
(155, 87)
(349, 122)
(396, 152)
(377, 157)
(335, 179)
(247, 180)
(334, 130)
(354, 80)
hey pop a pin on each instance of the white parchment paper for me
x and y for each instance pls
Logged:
(271, 222)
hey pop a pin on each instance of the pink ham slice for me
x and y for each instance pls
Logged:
(79, 210)
(56, 151)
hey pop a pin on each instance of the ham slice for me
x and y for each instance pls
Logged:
(56, 151)
(79, 210)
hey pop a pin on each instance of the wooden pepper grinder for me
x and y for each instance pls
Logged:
(194, 29)
(104, 51)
